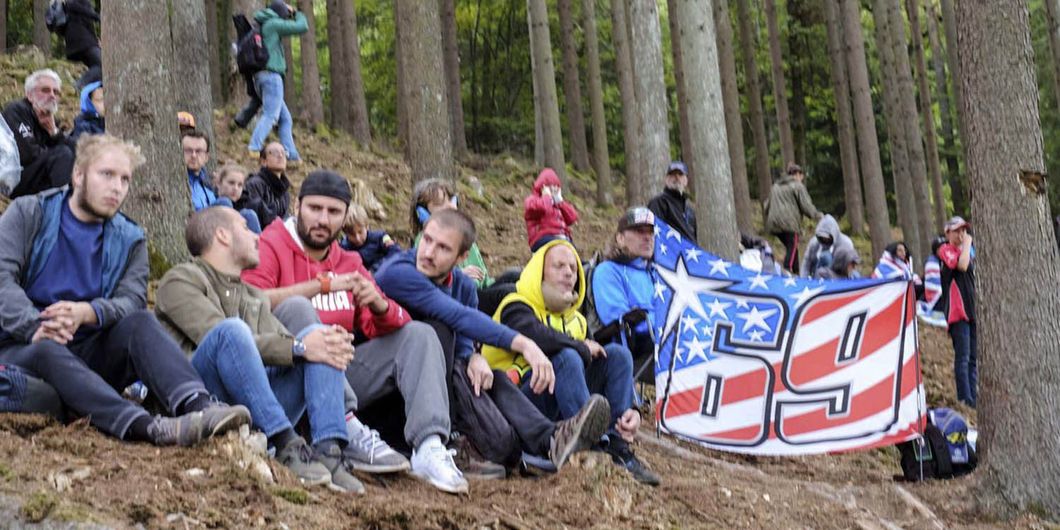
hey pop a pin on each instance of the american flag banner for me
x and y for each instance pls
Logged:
(771, 365)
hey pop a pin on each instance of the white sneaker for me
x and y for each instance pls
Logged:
(368, 453)
(434, 464)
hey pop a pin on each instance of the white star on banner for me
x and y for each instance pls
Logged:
(756, 319)
(690, 323)
(662, 248)
(718, 308)
(671, 233)
(759, 281)
(659, 289)
(696, 348)
(708, 331)
(686, 291)
(719, 265)
(806, 294)
(756, 335)
(692, 254)
(742, 303)
(789, 281)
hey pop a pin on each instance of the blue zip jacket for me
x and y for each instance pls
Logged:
(89, 121)
(202, 195)
(620, 287)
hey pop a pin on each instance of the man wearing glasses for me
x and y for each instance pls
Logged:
(267, 192)
(196, 153)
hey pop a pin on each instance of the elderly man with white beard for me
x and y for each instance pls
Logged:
(44, 149)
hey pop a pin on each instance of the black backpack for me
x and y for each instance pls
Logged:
(251, 54)
(933, 455)
(55, 16)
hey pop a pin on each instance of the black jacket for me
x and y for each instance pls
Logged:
(80, 30)
(521, 318)
(32, 139)
(675, 208)
(268, 195)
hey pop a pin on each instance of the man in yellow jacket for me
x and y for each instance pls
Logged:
(544, 307)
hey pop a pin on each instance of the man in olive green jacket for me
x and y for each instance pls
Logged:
(787, 204)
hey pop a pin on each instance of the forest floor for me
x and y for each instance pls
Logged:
(58, 476)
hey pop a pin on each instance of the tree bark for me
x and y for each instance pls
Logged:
(741, 193)
(928, 118)
(290, 91)
(709, 148)
(848, 147)
(601, 158)
(960, 193)
(212, 50)
(42, 38)
(572, 92)
(338, 66)
(430, 151)
(539, 136)
(401, 110)
(312, 99)
(357, 105)
(545, 99)
(452, 79)
(682, 97)
(191, 82)
(780, 94)
(754, 101)
(800, 71)
(223, 50)
(949, 149)
(3, 27)
(1020, 354)
(1052, 13)
(650, 87)
(140, 109)
(865, 124)
(630, 115)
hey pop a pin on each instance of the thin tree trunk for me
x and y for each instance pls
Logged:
(401, 78)
(630, 116)
(452, 79)
(709, 148)
(741, 193)
(572, 92)
(865, 124)
(780, 94)
(357, 105)
(212, 54)
(1052, 13)
(960, 194)
(539, 135)
(140, 109)
(191, 87)
(649, 83)
(430, 151)
(290, 90)
(223, 50)
(848, 147)
(754, 101)
(938, 65)
(601, 158)
(928, 117)
(682, 97)
(42, 38)
(546, 101)
(3, 26)
(800, 22)
(338, 66)
(312, 99)
(1019, 444)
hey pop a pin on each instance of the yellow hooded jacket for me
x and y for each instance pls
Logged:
(528, 292)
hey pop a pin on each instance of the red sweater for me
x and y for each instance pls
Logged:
(284, 262)
(545, 217)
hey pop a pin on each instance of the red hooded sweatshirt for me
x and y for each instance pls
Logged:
(284, 262)
(544, 216)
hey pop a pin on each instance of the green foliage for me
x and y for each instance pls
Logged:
(38, 506)
(292, 495)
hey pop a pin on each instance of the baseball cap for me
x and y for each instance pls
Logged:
(677, 165)
(634, 217)
(186, 119)
(956, 223)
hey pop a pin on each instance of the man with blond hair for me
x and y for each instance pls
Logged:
(45, 151)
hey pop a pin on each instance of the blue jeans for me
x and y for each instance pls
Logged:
(277, 396)
(965, 365)
(250, 216)
(611, 376)
(273, 112)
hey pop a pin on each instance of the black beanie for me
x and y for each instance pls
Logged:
(326, 183)
(280, 7)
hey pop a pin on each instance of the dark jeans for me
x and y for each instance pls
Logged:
(247, 113)
(51, 169)
(89, 373)
(791, 250)
(965, 365)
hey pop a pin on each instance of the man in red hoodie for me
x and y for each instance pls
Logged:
(547, 215)
(301, 256)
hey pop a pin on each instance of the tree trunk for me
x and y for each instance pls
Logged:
(800, 72)
(741, 193)
(401, 105)
(960, 193)
(290, 91)
(780, 94)
(140, 109)
(212, 50)
(865, 124)
(1021, 341)
(938, 64)
(848, 148)
(682, 97)
(928, 117)
(630, 116)
(1052, 14)
(545, 99)
(754, 101)
(430, 152)
(3, 27)
(42, 38)
(572, 92)
(601, 158)
(897, 141)
(452, 79)
(649, 84)
(338, 68)
(709, 148)
(223, 50)
(312, 99)
(539, 135)
(357, 105)
(191, 86)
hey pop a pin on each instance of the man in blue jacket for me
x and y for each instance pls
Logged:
(73, 293)
(277, 21)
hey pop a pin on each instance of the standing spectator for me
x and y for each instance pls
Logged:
(546, 214)
(788, 202)
(82, 45)
(373, 245)
(267, 192)
(957, 262)
(672, 205)
(276, 21)
(47, 154)
(822, 248)
(91, 119)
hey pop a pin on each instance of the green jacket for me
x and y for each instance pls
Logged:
(788, 202)
(274, 28)
(194, 297)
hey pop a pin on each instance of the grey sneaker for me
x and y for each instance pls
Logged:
(581, 431)
(341, 480)
(219, 418)
(298, 457)
(184, 431)
(472, 464)
(368, 453)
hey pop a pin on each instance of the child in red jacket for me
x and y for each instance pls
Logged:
(547, 215)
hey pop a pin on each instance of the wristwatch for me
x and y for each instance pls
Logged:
(298, 349)
(325, 282)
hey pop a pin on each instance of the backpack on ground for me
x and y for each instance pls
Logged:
(55, 16)
(943, 452)
(251, 54)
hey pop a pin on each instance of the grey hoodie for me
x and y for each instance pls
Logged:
(828, 226)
